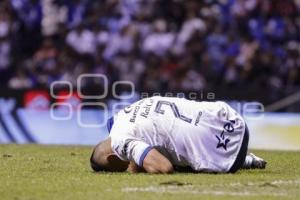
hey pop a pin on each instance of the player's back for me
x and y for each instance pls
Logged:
(203, 135)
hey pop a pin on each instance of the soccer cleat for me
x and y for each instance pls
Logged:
(254, 162)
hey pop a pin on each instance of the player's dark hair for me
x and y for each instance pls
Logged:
(242, 153)
(98, 157)
(96, 167)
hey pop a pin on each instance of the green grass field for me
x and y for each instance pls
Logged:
(35, 172)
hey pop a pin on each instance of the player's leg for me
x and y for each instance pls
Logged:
(241, 157)
(254, 162)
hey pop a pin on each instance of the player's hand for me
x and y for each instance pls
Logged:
(134, 168)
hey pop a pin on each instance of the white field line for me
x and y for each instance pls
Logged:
(286, 182)
(276, 183)
(217, 192)
(195, 190)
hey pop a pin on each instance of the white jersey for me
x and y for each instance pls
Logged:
(205, 136)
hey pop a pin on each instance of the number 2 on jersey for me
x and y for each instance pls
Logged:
(174, 108)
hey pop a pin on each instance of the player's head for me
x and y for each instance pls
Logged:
(104, 159)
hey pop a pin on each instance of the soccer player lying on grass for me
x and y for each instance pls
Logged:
(163, 135)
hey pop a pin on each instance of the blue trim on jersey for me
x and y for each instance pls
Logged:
(144, 154)
(110, 123)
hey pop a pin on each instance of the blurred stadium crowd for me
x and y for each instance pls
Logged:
(162, 45)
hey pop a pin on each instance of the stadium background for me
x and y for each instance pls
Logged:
(240, 50)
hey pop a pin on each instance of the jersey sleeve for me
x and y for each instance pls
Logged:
(129, 148)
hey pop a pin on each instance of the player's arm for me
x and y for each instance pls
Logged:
(155, 162)
(142, 154)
